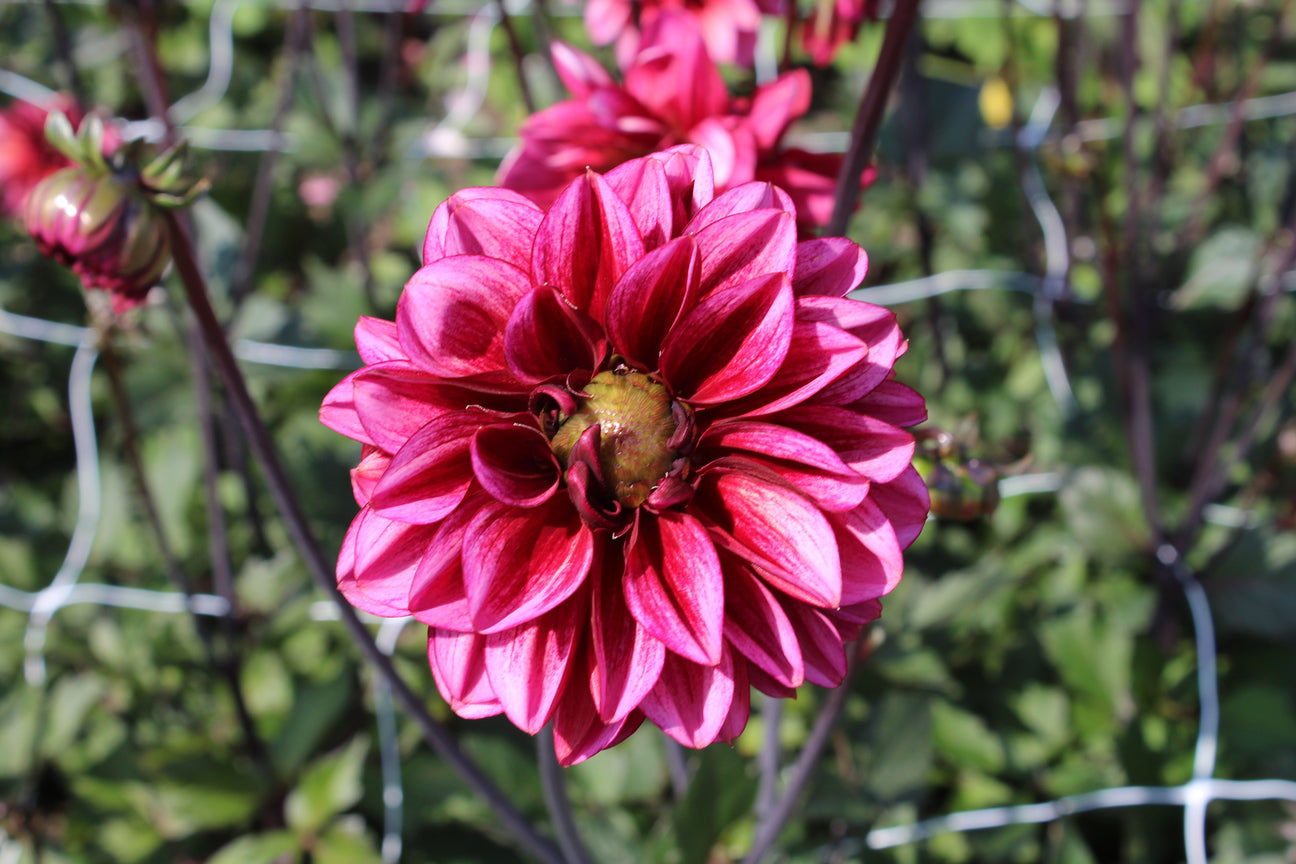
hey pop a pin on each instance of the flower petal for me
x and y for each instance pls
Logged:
(436, 593)
(870, 553)
(452, 314)
(691, 702)
(458, 662)
(894, 403)
(430, 475)
(377, 340)
(744, 245)
(520, 563)
(801, 460)
(586, 241)
(387, 554)
(673, 585)
(627, 659)
(732, 343)
(546, 338)
(515, 464)
(757, 626)
(821, 644)
(774, 527)
(905, 501)
(831, 266)
(487, 220)
(528, 665)
(877, 450)
(648, 300)
(875, 325)
(578, 731)
(818, 355)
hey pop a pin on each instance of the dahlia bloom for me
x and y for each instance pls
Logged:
(26, 156)
(831, 24)
(729, 27)
(672, 93)
(630, 456)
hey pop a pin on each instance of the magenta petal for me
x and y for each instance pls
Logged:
(691, 702)
(458, 662)
(757, 626)
(579, 733)
(743, 246)
(586, 241)
(777, 104)
(818, 355)
(627, 659)
(338, 411)
(821, 645)
(831, 266)
(453, 311)
(894, 403)
(874, 325)
(775, 528)
(387, 554)
(732, 343)
(430, 475)
(803, 461)
(394, 400)
(648, 300)
(580, 73)
(870, 553)
(740, 708)
(380, 591)
(377, 340)
(515, 464)
(546, 338)
(486, 220)
(673, 585)
(641, 184)
(877, 450)
(528, 665)
(520, 563)
(905, 501)
(436, 593)
(747, 197)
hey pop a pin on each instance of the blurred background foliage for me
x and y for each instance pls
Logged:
(1034, 651)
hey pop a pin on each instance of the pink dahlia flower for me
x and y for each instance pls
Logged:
(831, 24)
(728, 27)
(630, 456)
(26, 157)
(672, 94)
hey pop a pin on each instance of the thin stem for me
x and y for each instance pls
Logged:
(781, 812)
(63, 52)
(554, 787)
(868, 119)
(519, 55)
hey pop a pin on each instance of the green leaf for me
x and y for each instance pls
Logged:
(345, 843)
(329, 786)
(964, 739)
(273, 847)
(315, 708)
(1221, 271)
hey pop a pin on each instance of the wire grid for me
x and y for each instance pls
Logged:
(447, 138)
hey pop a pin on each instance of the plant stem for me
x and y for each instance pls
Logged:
(868, 119)
(554, 787)
(320, 569)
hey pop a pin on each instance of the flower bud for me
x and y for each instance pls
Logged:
(102, 227)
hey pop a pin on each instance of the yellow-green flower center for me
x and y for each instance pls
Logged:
(635, 422)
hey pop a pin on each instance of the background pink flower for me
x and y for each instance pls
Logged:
(629, 456)
(26, 157)
(672, 93)
(728, 27)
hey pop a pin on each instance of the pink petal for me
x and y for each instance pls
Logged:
(627, 659)
(740, 708)
(877, 450)
(743, 246)
(377, 340)
(380, 593)
(673, 585)
(906, 502)
(387, 555)
(818, 355)
(757, 626)
(578, 731)
(775, 105)
(458, 662)
(870, 553)
(894, 403)
(365, 476)
(394, 400)
(338, 411)
(586, 241)
(580, 73)
(520, 563)
(803, 461)
(690, 702)
(830, 266)
(515, 464)
(641, 184)
(775, 528)
(528, 665)
(732, 149)
(436, 593)
(430, 475)
(547, 338)
(821, 644)
(452, 314)
(748, 198)
(875, 325)
(674, 77)
(650, 297)
(501, 224)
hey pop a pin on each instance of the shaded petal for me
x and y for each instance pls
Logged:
(515, 464)
(430, 475)
(520, 563)
(673, 585)
(831, 266)
(648, 300)
(894, 403)
(821, 644)
(365, 476)
(436, 594)
(453, 311)
(586, 241)
(818, 355)
(875, 325)
(380, 593)
(578, 731)
(905, 501)
(458, 662)
(850, 620)
(545, 337)
(642, 185)
(691, 702)
(775, 105)
(387, 555)
(627, 659)
(749, 198)
(877, 450)
(394, 400)
(338, 410)
(740, 708)
(732, 343)
(757, 626)
(870, 553)
(675, 78)
(580, 73)
(775, 528)
(528, 665)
